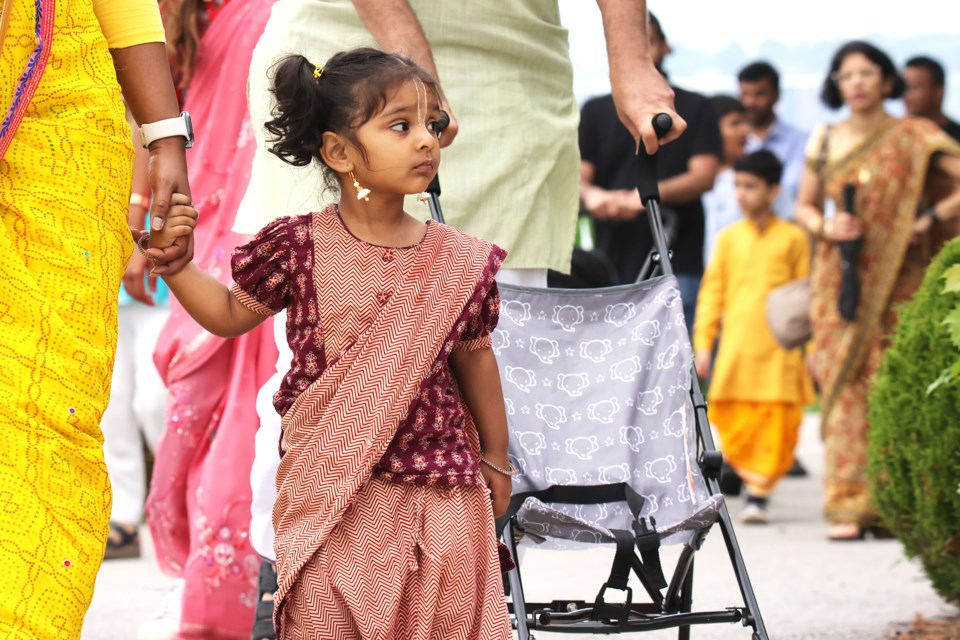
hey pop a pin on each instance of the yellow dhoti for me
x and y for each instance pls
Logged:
(758, 439)
(65, 172)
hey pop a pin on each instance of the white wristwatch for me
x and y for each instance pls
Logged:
(182, 125)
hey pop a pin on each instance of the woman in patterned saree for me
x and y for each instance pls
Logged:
(904, 172)
(65, 174)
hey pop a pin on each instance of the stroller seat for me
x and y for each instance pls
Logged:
(597, 393)
(606, 427)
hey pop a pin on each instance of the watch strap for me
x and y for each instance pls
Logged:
(166, 129)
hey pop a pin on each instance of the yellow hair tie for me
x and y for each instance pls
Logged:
(317, 72)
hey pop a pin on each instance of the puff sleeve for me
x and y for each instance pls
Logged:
(263, 269)
(483, 309)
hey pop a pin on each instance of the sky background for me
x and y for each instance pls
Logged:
(712, 39)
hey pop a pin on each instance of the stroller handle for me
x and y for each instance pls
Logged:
(647, 164)
(433, 199)
(650, 196)
(434, 186)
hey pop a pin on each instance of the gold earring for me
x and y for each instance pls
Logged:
(423, 197)
(362, 192)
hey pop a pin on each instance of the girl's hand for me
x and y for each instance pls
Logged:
(181, 220)
(180, 223)
(843, 227)
(500, 485)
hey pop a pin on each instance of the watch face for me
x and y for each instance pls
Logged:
(188, 122)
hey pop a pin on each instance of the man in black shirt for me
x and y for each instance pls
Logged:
(686, 169)
(924, 94)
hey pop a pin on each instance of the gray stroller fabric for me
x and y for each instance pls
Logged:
(597, 390)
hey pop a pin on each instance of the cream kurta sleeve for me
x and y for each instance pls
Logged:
(126, 23)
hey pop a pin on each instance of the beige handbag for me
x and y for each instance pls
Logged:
(788, 313)
(788, 306)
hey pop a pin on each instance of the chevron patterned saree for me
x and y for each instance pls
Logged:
(340, 427)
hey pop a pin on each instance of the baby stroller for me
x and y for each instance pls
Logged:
(610, 439)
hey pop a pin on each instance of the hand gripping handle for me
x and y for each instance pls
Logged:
(647, 164)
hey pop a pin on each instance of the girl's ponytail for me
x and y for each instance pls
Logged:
(298, 116)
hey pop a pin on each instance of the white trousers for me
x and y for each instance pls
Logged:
(264, 471)
(136, 409)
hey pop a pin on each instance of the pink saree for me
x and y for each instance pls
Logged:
(199, 503)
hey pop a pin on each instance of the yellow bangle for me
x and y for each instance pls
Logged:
(817, 227)
(139, 200)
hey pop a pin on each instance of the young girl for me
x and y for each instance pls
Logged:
(394, 430)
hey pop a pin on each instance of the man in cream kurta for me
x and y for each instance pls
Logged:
(511, 177)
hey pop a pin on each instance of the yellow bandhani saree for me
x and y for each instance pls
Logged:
(65, 172)
(889, 170)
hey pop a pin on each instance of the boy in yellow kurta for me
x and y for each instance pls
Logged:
(757, 389)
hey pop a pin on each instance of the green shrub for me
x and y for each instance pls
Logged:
(914, 447)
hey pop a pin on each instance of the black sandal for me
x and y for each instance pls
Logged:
(263, 622)
(122, 543)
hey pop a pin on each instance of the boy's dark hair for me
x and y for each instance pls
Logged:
(762, 164)
(724, 105)
(934, 68)
(830, 92)
(760, 70)
(352, 87)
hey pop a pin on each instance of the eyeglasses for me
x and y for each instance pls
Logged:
(847, 76)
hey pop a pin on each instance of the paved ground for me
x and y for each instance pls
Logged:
(808, 588)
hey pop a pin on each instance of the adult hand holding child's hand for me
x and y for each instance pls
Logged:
(171, 247)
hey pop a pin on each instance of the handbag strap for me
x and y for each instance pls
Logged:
(5, 19)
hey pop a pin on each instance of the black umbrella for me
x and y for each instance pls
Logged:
(849, 252)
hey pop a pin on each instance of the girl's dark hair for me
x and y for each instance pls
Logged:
(830, 93)
(724, 105)
(351, 89)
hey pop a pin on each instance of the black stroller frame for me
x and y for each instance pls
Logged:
(637, 552)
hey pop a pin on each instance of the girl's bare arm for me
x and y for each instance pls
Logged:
(211, 303)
